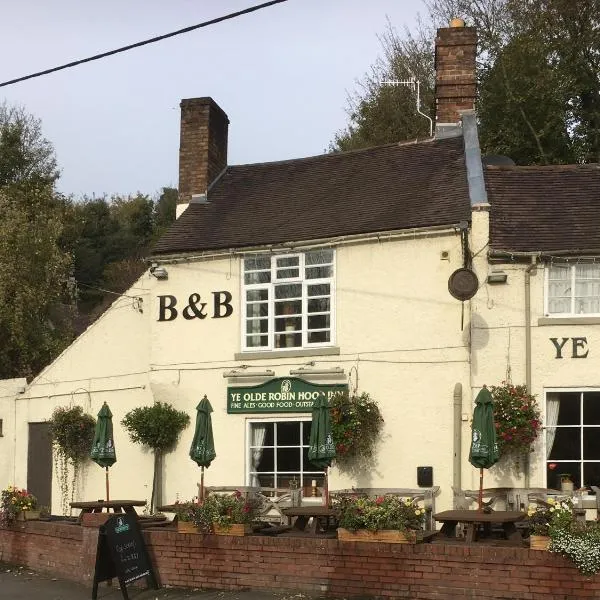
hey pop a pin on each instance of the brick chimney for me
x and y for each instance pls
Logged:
(455, 84)
(202, 148)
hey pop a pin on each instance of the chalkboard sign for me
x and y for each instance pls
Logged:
(122, 554)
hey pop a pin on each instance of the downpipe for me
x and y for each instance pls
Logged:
(528, 271)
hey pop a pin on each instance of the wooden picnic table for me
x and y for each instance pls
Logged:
(117, 506)
(304, 514)
(473, 518)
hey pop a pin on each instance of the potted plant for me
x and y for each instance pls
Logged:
(226, 514)
(186, 514)
(545, 516)
(17, 505)
(578, 542)
(384, 519)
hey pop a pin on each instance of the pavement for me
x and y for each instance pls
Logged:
(20, 583)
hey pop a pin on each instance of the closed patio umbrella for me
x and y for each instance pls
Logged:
(321, 450)
(103, 447)
(484, 448)
(202, 450)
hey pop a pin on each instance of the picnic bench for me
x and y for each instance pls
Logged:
(309, 519)
(472, 519)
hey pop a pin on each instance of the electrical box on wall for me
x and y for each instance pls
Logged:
(425, 476)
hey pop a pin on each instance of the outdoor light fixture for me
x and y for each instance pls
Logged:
(497, 277)
(309, 371)
(159, 272)
(243, 373)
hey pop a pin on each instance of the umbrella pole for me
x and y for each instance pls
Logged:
(480, 490)
(201, 496)
(325, 489)
(107, 495)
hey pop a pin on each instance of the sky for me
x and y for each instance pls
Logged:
(282, 75)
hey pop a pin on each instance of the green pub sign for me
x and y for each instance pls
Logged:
(284, 394)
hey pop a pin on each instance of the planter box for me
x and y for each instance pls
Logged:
(95, 519)
(28, 515)
(539, 542)
(186, 527)
(235, 529)
(390, 536)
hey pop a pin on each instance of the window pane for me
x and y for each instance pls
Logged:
(288, 291)
(319, 272)
(567, 444)
(288, 273)
(257, 326)
(306, 425)
(288, 434)
(555, 470)
(319, 257)
(267, 460)
(257, 263)
(570, 408)
(560, 272)
(257, 310)
(255, 295)
(257, 341)
(290, 307)
(591, 409)
(587, 305)
(288, 261)
(318, 322)
(319, 305)
(262, 434)
(591, 271)
(257, 277)
(591, 474)
(591, 443)
(322, 289)
(319, 337)
(265, 480)
(288, 459)
(288, 340)
(288, 324)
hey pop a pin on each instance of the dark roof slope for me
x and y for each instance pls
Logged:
(542, 209)
(378, 189)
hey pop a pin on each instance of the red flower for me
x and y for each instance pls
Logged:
(380, 500)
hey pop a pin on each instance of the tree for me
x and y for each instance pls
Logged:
(164, 210)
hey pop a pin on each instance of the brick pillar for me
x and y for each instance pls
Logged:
(455, 84)
(202, 146)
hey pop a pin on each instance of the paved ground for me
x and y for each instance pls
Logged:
(18, 583)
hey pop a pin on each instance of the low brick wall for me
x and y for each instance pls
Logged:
(322, 566)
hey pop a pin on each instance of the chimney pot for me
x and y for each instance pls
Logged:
(457, 23)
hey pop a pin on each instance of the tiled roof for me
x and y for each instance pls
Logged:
(379, 189)
(544, 209)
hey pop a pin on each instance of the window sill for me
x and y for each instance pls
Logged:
(569, 321)
(301, 352)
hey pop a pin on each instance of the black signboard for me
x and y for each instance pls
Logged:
(122, 554)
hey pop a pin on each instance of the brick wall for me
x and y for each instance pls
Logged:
(328, 567)
(455, 85)
(202, 145)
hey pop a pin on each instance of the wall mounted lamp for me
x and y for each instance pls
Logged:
(329, 371)
(497, 277)
(243, 373)
(159, 272)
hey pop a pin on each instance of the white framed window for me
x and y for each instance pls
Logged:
(288, 300)
(277, 452)
(573, 290)
(573, 437)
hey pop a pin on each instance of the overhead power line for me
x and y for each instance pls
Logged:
(159, 38)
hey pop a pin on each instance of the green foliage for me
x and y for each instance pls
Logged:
(356, 424)
(225, 510)
(385, 512)
(12, 501)
(157, 426)
(186, 511)
(555, 514)
(517, 417)
(72, 433)
(580, 543)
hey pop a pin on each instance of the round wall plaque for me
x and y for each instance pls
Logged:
(463, 284)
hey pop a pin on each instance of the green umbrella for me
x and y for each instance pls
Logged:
(202, 451)
(321, 450)
(484, 448)
(103, 446)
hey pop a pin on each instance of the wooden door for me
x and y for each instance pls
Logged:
(39, 463)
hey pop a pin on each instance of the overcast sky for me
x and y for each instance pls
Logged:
(281, 74)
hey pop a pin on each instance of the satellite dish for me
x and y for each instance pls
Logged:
(463, 284)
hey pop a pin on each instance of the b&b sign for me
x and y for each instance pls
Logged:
(284, 394)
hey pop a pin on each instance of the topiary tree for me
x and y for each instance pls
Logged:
(158, 427)
(72, 433)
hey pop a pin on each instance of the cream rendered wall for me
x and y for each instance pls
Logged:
(498, 344)
(397, 325)
(108, 362)
(9, 392)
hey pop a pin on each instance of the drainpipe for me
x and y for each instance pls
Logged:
(456, 471)
(528, 272)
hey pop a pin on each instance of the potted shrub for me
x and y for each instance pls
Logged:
(226, 514)
(384, 519)
(17, 505)
(186, 514)
(546, 516)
